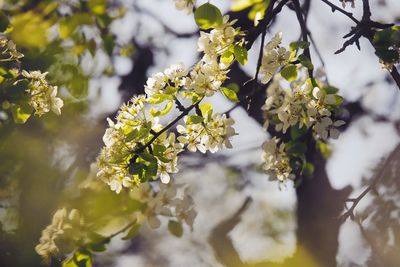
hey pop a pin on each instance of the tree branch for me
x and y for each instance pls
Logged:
(336, 8)
(304, 34)
(378, 177)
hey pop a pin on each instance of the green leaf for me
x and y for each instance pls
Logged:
(175, 228)
(155, 113)
(30, 30)
(21, 113)
(158, 98)
(383, 38)
(240, 54)
(79, 259)
(308, 169)
(68, 25)
(330, 90)
(389, 55)
(194, 119)
(296, 132)
(234, 87)
(230, 94)
(136, 168)
(296, 148)
(299, 45)
(206, 108)
(208, 16)
(227, 57)
(109, 44)
(306, 62)
(98, 7)
(289, 73)
(325, 149)
(133, 231)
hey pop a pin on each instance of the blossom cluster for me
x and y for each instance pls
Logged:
(43, 96)
(65, 229)
(301, 107)
(138, 148)
(123, 162)
(274, 57)
(304, 106)
(71, 229)
(276, 161)
(8, 50)
(39, 94)
(211, 133)
(165, 202)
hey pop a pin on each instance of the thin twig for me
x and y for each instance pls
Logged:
(378, 177)
(304, 34)
(336, 8)
(168, 126)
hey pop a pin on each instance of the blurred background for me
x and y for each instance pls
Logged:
(243, 218)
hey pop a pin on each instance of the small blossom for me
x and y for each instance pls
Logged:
(43, 97)
(65, 229)
(185, 5)
(273, 58)
(276, 161)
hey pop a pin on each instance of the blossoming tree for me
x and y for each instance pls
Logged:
(133, 174)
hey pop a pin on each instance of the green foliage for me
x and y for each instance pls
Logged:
(194, 119)
(229, 94)
(21, 113)
(30, 30)
(175, 228)
(208, 16)
(81, 258)
(298, 45)
(305, 61)
(289, 73)
(240, 54)
(386, 43)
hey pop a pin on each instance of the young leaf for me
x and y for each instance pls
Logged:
(205, 108)
(230, 94)
(233, 86)
(208, 16)
(175, 228)
(21, 113)
(227, 57)
(240, 54)
(194, 119)
(289, 73)
(296, 133)
(299, 45)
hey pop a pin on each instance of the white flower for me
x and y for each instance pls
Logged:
(185, 5)
(276, 161)
(273, 58)
(43, 97)
(64, 230)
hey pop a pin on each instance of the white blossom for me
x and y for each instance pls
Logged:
(276, 161)
(185, 5)
(43, 97)
(273, 58)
